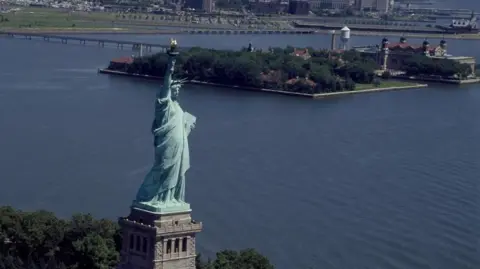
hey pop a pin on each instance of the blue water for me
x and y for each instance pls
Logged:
(383, 180)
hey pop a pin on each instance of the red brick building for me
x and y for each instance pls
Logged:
(391, 56)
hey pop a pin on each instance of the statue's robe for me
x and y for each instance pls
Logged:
(170, 128)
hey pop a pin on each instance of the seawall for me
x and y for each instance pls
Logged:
(67, 31)
(438, 80)
(316, 95)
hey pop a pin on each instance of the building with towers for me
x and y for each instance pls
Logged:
(391, 55)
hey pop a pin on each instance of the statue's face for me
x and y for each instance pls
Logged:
(175, 91)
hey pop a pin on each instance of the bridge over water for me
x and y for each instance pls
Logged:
(120, 44)
(248, 32)
(146, 47)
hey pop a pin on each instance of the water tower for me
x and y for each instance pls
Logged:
(345, 37)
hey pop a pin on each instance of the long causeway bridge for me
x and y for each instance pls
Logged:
(120, 44)
(248, 32)
(146, 47)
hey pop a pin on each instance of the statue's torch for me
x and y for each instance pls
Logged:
(173, 47)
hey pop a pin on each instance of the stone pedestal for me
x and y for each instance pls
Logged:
(153, 240)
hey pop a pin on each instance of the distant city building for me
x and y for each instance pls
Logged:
(195, 4)
(330, 4)
(268, 6)
(299, 7)
(383, 6)
(374, 5)
(208, 5)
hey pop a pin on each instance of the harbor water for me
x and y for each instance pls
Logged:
(387, 180)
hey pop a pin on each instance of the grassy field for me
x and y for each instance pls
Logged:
(54, 18)
(49, 18)
(29, 17)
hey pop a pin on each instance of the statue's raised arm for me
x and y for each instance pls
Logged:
(165, 91)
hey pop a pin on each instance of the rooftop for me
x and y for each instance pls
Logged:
(396, 46)
(122, 60)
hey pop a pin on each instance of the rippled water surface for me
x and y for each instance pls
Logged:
(384, 180)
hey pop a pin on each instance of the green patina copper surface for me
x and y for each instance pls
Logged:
(163, 189)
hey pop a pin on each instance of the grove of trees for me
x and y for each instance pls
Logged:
(273, 69)
(31, 240)
(446, 68)
(276, 68)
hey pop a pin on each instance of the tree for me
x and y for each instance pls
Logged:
(446, 68)
(270, 69)
(200, 264)
(386, 75)
(349, 84)
(40, 238)
(359, 72)
(244, 259)
(83, 242)
(93, 251)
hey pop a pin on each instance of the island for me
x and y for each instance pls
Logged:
(302, 72)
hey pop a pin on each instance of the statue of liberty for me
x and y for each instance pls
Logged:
(163, 189)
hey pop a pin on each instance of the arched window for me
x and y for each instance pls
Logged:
(184, 244)
(169, 246)
(137, 243)
(177, 245)
(144, 246)
(131, 241)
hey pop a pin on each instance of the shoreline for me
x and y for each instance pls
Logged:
(57, 31)
(437, 80)
(127, 31)
(307, 95)
(215, 31)
(58, 21)
(413, 35)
